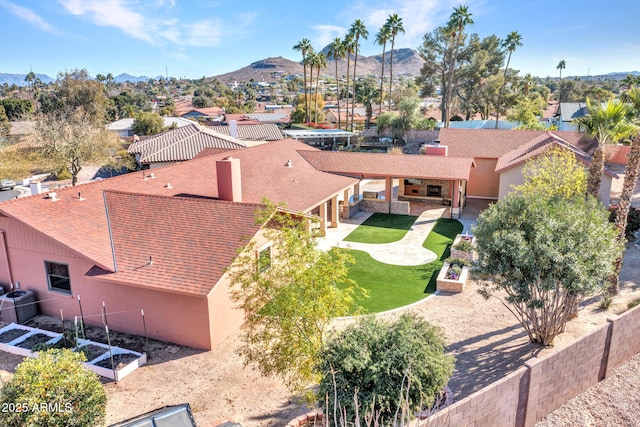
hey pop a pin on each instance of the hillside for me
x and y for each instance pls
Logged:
(405, 61)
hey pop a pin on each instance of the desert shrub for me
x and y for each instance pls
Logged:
(63, 173)
(633, 303)
(459, 261)
(605, 302)
(391, 366)
(53, 390)
(463, 245)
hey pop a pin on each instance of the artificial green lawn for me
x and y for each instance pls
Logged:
(382, 228)
(393, 286)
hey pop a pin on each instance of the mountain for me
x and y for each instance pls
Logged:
(18, 79)
(405, 61)
(124, 77)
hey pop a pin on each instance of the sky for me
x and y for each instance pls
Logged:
(195, 38)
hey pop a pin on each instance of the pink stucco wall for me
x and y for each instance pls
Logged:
(172, 317)
(484, 182)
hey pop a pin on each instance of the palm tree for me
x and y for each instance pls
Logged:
(367, 93)
(561, 66)
(512, 41)
(381, 38)
(394, 22)
(337, 51)
(317, 60)
(348, 46)
(458, 20)
(607, 124)
(631, 97)
(527, 82)
(357, 30)
(304, 47)
(630, 81)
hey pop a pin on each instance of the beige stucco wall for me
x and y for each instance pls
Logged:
(513, 176)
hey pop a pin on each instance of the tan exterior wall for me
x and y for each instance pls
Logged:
(224, 318)
(484, 182)
(616, 154)
(529, 394)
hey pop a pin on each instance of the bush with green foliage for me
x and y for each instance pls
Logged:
(148, 124)
(53, 390)
(391, 367)
(463, 246)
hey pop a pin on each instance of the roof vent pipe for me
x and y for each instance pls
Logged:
(53, 197)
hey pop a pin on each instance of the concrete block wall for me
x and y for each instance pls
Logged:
(374, 205)
(400, 207)
(624, 337)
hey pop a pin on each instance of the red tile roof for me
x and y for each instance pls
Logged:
(493, 143)
(182, 144)
(380, 165)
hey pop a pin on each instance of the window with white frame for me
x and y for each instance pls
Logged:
(58, 277)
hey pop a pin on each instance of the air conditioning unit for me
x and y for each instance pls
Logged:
(18, 306)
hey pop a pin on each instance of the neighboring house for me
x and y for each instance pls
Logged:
(250, 133)
(180, 144)
(360, 118)
(212, 113)
(567, 112)
(277, 117)
(500, 154)
(124, 127)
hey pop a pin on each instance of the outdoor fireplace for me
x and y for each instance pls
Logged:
(434, 191)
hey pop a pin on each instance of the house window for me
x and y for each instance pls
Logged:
(264, 259)
(58, 277)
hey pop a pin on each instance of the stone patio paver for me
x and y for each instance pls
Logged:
(408, 251)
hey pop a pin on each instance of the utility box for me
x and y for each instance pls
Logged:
(18, 306)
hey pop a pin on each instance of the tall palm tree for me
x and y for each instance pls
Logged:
(632, 98)
(512, 41)
(607, 124)
(382, 37)
(337, 51)
(527, 82)
(630, 81)
(357, 30)
(561, 66)
(317, 60)
(394, 22)
(348, 46)
(458, 20)
(304, 47)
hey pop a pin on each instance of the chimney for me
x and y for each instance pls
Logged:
(229, 179)
(436, 149)
(233, 128)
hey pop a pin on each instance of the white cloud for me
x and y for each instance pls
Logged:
(324, 34)
(29, 16)
(113, 13)
(203, 34)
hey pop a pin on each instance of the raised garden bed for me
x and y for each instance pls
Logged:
(12, 334)
(450, 280)
(463, 247)
(24, 339)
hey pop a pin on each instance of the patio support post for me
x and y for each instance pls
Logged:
(388, 190)
(323, 219)
(346, 205)
(455, 200)
(334, 212)
(356, 191)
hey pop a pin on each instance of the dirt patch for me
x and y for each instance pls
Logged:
(12, 334)
(33, 340)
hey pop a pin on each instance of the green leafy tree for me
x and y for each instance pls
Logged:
(608, 124)
(304, 47)
(395, 25)
(289, 301)
(336, 52)
(527, 112)
(389, 367)
(555, 173)
(382, 37)
(73, 91)
(546, 254)
(357, 30)
(17, 109)
(53, 390)
(148, 124)
(513, 41)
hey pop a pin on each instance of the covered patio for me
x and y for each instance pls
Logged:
(424, 179)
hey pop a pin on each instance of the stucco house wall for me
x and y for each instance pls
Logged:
(173, 317)
(484, 182)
